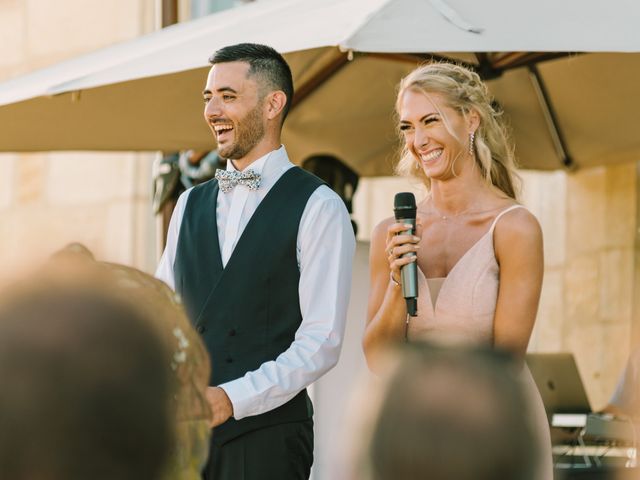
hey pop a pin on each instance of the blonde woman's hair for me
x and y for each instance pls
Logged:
(464, 91)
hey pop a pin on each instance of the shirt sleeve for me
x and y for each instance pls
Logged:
(326, 245)
(164, 271)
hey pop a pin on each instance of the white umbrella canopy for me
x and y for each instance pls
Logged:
(347, 57)
(593, 96)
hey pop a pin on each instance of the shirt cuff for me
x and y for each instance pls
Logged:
(240, 397)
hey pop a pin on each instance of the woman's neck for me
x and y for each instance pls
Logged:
(459, 194)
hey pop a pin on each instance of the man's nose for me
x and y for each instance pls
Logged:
(212, 109)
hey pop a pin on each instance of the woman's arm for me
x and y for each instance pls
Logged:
(386, 311)
(518, 247)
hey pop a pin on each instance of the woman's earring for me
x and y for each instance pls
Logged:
(472, 137)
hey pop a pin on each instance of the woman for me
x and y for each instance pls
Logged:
(478, 252)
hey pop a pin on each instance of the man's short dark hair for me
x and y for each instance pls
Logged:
(264, 62)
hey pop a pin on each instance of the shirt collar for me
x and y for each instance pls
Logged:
(268, 165)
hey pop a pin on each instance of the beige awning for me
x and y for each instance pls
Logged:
(347, 57)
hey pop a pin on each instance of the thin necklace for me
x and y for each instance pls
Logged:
(453, 215)
(459, 214)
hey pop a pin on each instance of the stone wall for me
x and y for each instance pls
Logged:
(102, 200)
(599, 276)
(50, 199)
(589, 222)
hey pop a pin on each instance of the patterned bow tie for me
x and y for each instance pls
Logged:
(227, 179)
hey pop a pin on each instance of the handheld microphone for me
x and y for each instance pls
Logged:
(404, 208)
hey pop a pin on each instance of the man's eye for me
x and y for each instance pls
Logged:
(227, 98)
(404, 128)
(206, 99)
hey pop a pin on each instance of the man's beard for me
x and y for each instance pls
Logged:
(247, 133)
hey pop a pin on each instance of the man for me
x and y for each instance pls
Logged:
(262, 259)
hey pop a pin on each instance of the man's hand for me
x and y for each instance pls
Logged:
(221, 406)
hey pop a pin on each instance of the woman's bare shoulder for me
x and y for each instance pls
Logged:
(518, 220)
(517, 226)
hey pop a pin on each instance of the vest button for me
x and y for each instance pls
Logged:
(200, 328)
(232, 332)
(229, 360)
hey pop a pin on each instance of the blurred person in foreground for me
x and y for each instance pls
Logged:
(441, 413)
(261, 256)
(85, 388)
(478, 251)
(117, 370)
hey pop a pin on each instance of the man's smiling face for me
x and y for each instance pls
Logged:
(234, 109)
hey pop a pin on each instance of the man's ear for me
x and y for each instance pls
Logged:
(275, 103)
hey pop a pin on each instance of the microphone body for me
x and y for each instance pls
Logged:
(404, 208)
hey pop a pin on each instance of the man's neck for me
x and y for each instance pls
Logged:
(259, 151)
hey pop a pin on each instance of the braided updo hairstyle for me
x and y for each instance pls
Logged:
(464, 91)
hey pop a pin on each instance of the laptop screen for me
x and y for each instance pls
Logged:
(559, 382)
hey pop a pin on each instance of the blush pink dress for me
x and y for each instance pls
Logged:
(461, 308)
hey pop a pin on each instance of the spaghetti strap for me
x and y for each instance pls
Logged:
(508, 209)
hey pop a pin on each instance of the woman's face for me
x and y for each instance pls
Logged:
(435, 133)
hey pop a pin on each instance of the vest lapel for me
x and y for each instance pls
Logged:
(245, 242)
(216, 239)
(218, 270)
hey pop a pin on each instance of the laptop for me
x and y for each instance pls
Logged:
(567, 404)
(558, 380)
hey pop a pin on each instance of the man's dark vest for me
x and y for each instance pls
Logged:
(249, 311)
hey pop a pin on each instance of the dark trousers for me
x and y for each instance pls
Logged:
(278, 452)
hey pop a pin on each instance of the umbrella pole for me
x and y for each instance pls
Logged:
(551, 120)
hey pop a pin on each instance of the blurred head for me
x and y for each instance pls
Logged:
(449, 414)
(189, 361)
(74, 272)
(447, 118)
(86, 387)
(248, 93)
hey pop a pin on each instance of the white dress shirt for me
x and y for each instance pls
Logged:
(324, 250)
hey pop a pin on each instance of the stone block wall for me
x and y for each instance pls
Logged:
(601, 225)
(100, 199)
(589, 222)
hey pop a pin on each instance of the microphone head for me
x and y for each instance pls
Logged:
(404, 205)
